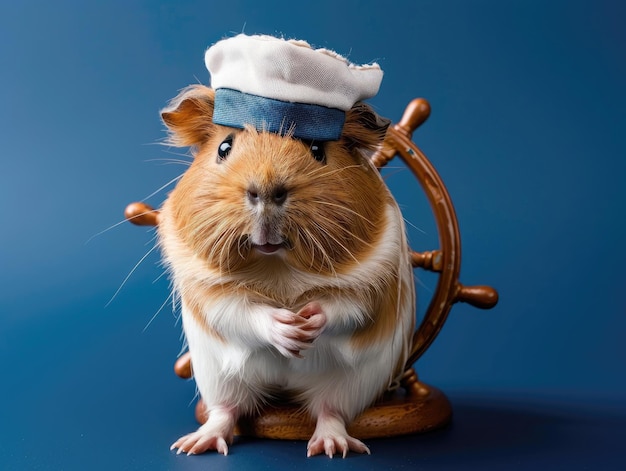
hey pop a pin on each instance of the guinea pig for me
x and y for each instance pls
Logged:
(290, 263)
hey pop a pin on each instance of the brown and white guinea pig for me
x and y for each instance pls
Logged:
(291, 265)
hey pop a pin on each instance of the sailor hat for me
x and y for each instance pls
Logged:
(286, 86)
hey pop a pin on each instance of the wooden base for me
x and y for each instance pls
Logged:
(417, 409)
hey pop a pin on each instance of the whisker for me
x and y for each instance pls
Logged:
(163, 186)
(311, 242)
(119, 224)
(158, 278)
(393, 171)
(328, 234)
(344, 229)
(223, 256)
(186, 154)
(415, 227)
(316, 244)
(343, 208)
(394, 167)
(153, 238)
(158, 311)
(325, 172)
(185, 163)
(421, 283)
(231, 241)
(241, 243)
(129, 275)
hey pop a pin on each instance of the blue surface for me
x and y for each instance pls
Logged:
(527, 132)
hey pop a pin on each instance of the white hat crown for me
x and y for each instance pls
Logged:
(279, 85)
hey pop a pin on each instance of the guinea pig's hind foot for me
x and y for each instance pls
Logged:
(331, 437)
(215, 434)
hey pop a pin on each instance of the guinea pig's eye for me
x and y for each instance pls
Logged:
(317, 151)
(224, 148)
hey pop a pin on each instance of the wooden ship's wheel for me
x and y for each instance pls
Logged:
(415, 407)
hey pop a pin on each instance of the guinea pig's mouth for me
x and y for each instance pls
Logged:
(269, 248)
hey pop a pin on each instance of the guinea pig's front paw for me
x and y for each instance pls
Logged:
(293, 333)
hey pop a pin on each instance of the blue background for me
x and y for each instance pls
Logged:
(527, 132)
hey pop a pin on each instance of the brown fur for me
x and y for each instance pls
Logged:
(380, 328)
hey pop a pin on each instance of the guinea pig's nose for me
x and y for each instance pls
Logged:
(277, 195)
(253, 195)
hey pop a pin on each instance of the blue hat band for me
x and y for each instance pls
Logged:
(302, 120)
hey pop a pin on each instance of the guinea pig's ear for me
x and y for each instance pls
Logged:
(189, 116)
(363, 129)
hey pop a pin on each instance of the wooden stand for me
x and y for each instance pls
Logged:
(412, 409)
(416, 407)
